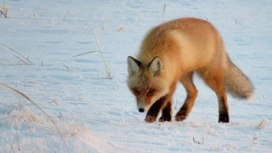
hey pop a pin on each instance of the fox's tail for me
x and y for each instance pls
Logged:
(237, 83)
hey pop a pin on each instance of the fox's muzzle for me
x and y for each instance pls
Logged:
(141, 110)
(142, 104)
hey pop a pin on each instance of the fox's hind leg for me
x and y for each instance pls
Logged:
(187, 81)
(215, 80)
(166, 112)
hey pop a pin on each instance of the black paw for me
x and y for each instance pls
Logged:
(223, 118)
(165, 119)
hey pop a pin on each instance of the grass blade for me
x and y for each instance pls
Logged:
(26, 97)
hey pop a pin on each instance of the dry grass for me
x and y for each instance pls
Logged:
(4, 11)
(164, 9)
(86, 53)
(106, 64)
(64, 18)
(237, 22)
(108, 71)
(198, 142)
(120, 29)
(23, 59)
(35, 104)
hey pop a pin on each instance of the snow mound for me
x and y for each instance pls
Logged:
(22, 114)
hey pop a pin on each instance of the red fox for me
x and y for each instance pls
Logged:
(172, 52)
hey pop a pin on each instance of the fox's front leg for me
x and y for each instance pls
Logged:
(154, 110)
(166, 112)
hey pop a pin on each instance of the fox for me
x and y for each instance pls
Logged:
(173, 52)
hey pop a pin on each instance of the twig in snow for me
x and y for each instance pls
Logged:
(107, 68)
(198, 142)
(264, 123)
(66, 14)
(28, 60)
(164, 9)
(106, 64)
(120, 29)
(22, 58)
(27, 98)
(4, 11)
(66, 67)
(237, 21)
(86, 53)
(13, 50)
(54, 101)
(60, 115)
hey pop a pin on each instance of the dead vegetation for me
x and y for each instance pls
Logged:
(37, 106)
(4, 11)
(23, 60)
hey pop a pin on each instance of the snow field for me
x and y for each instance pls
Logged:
(96, 114)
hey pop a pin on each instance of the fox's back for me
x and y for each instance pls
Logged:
(188, 43)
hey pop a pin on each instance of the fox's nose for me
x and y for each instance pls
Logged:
(141, 110)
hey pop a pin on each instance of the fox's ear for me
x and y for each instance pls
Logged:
(133, 65)
(156, 66)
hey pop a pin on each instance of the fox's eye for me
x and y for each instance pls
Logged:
(135, 92)
(151, 92)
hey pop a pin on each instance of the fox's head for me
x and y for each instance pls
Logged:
(146, 82)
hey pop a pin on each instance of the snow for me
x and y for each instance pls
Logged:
(96, 114)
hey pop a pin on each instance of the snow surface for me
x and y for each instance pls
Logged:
(96, 114)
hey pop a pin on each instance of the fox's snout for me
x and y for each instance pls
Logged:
(142, 106)
(141, 110)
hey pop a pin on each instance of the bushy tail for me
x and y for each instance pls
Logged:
(237, 83)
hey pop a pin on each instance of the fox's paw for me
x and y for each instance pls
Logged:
(165, 119)
(223, 118)
(180, 117)
(150, 119)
